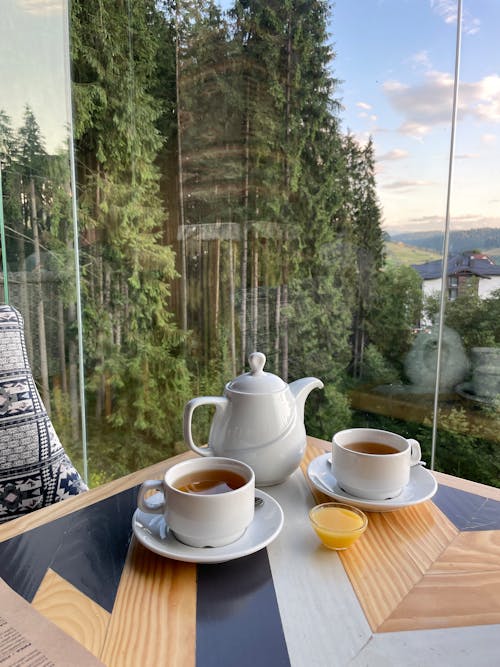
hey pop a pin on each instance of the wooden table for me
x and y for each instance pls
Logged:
(422, 587)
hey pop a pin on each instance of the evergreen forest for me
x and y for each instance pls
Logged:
(221, 209)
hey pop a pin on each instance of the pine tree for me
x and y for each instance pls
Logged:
(365, 214)
(133, 347)
(33, 160)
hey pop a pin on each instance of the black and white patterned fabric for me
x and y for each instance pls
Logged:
(35, 470)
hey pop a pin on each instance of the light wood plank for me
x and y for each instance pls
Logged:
(154, 617)
(394, 553)
(72, 611)
(471, 551)
(462, 587)
(448, 600)
(388, 561)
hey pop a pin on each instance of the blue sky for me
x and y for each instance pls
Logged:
(395, 60)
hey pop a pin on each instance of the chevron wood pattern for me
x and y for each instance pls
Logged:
(434, 566)
(414, 569)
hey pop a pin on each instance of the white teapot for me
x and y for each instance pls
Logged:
(259, 420)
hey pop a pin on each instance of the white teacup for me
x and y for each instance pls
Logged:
(207, 502)
(373, 464)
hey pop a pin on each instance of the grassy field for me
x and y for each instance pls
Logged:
(402, 254)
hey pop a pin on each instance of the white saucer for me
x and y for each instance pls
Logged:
(152, 531)
(421, 487)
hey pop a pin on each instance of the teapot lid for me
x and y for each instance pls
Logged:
(257, 381)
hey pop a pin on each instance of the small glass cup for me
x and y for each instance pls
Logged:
(338, 525)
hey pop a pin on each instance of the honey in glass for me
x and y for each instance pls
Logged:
(338, 525)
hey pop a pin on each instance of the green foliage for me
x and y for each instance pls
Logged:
(327, 412)
(134, 351)
(394, 312)
(476, 320)
(463, 448)
(376, 368)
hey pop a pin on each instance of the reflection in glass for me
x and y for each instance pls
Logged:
(37, 202)
(242, 187)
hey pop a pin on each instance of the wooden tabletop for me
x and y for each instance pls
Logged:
(421, 587)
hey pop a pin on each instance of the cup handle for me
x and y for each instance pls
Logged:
(416, 453)
(143, 502)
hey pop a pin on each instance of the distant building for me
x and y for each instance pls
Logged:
(464, 271)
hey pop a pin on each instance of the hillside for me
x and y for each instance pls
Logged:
(402, 254)
(485, 239)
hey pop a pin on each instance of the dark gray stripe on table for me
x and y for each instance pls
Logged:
(237, 616)
(468, 511)
(88, 548)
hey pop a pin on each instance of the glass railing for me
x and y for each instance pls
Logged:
(237, 188)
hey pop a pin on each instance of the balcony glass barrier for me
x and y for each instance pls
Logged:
(281, 177)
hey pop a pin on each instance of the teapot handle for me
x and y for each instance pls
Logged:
(218, 401)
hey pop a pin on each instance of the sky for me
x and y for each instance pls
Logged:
(395, 60)
(34, 65)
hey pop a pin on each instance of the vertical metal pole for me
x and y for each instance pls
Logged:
(2, 244)
(442, 305)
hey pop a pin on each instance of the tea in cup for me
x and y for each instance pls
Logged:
(207, 502)
(373, 464)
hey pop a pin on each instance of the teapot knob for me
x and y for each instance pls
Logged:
(257, 361)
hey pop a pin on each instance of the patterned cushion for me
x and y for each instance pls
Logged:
(34, 468)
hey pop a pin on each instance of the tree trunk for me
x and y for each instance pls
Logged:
(216, 287)
(62, 344)
(284, 370)
(25, 300)
(277, 321)
(231, 308)
(255, 292)
(244, 239)
(184, 295)
(73, 376)
(44, 370)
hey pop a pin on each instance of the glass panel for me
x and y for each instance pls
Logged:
(396, 61)
(468, 424)
(37, 204)
(237, 191)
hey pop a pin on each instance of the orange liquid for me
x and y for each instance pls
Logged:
(339, 527)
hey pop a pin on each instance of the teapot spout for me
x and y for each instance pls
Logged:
(301, 390)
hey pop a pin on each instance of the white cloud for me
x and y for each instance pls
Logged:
(406, 185)
(364, 105)
(488, 139)
(429, 102)
(395, 154)
(415, 130)
(421, 59)
(447, 9)
(41, 6)
(392, 86)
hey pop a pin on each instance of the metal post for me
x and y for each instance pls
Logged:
(444, 273)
